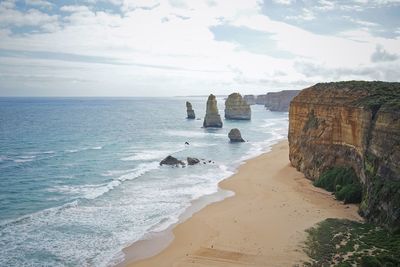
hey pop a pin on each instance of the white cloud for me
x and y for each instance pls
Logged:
(75, 9)
(325, 5)
(39, 3)
(365, 23)
(306, 14)
(284, 2)
(7, 4)
(165, 47)
(9, 16)
(381, 55)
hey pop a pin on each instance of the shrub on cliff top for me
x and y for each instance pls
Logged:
(380, 94)
(343, 181)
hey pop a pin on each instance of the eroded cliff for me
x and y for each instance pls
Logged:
(352, 124)
(212, 117)
(236, 108)
(280, 101)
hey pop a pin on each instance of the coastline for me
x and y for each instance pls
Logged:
(263, 223)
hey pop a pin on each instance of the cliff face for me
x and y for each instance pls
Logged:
(250, 99)
(280, 101)
(261, 99)
(236, 108)
(352, 124)
(212, 118)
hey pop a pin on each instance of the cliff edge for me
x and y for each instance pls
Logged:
(354, 125)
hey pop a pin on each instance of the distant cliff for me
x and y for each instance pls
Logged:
(280, 101)
(261, 99)
(250, 99)
(274, 101)
(355, 125)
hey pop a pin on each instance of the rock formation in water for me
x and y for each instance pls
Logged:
(280, 101)
(192, 161)
(250, 99)
(261, 99)
(170, 160)
(212, 118)
(190, 111)
(236, 108)
(352, 124)
(235, 135)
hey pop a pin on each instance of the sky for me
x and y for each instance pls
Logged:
(193, 47)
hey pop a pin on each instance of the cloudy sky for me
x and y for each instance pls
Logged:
(190, 47)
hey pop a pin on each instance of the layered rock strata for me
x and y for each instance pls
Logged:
(352, 124)
(236, 108)
(261, 99)
(280, 101)
(190, 111)
(212, 118)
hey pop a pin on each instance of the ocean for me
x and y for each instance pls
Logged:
(80, 177)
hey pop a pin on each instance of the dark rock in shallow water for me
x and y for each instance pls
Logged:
(192, 161)
(235, 135)
(190, 111)
(212, 118)
(170, 160)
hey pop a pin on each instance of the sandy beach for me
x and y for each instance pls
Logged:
(263, 224)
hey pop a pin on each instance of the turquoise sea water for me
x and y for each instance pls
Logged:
(80, 177)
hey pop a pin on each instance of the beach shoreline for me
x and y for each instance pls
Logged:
(263, 224)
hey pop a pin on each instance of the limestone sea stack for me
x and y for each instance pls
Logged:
(235, 135)
(212, 118)
(236, 108)
(190, 111)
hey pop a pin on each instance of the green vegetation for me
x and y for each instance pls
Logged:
(336, 242)
(387, 190)
(350, 193)
(380, 94)
(312, 122)
(380, 190)
(343, 182)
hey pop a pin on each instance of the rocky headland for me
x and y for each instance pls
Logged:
(274, 101)
(346, 136)
(261, 99)
(250, 99)
(280, 101)
(190, 111)
(236, 108)
(212, 118)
